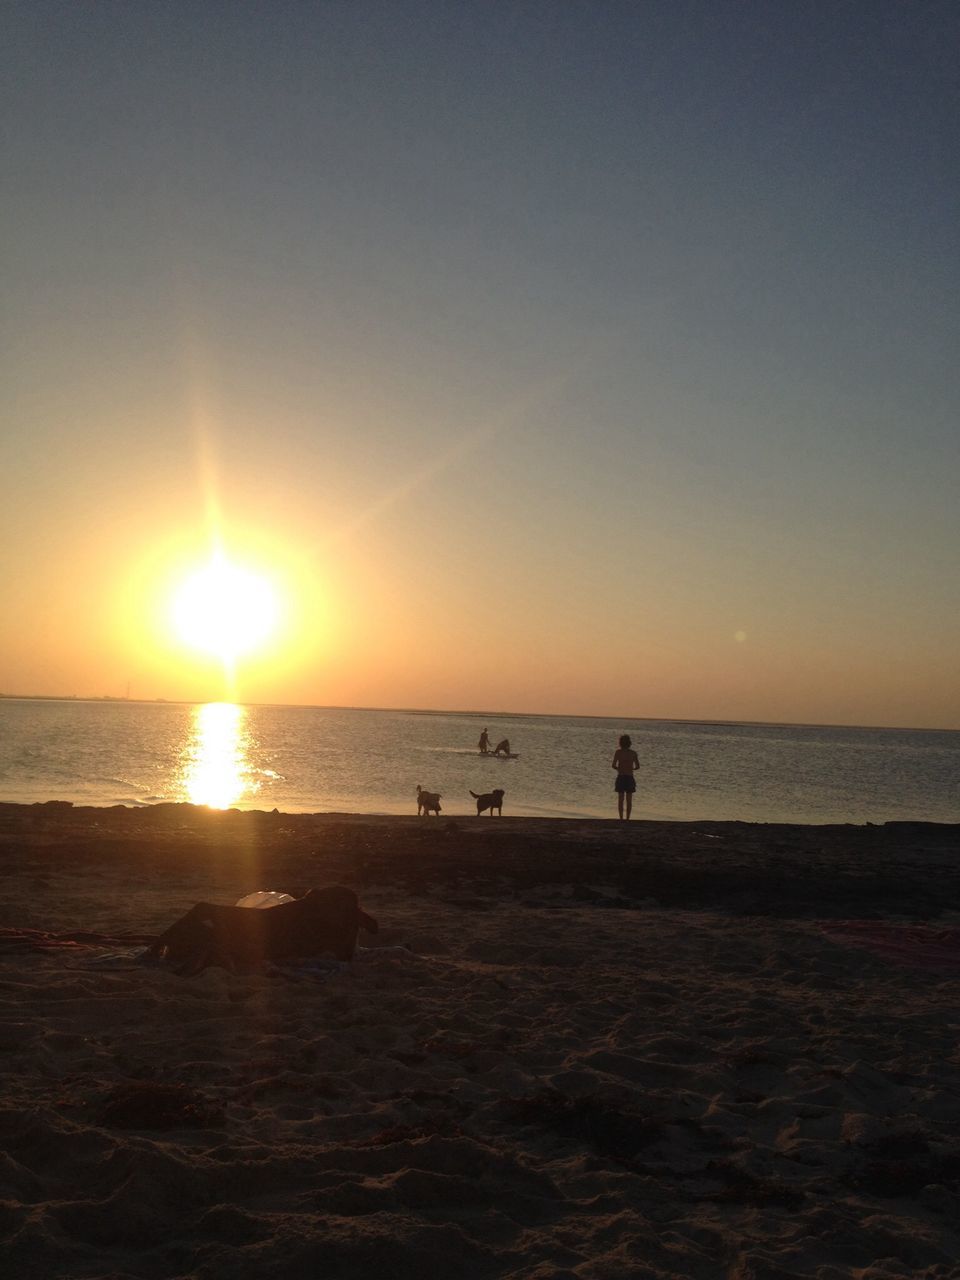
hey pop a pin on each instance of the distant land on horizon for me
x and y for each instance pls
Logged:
(479, 714)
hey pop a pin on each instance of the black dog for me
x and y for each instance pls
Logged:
(490, 800)
(427, 800)
(246, 937)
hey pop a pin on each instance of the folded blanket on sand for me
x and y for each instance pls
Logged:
(18, 941)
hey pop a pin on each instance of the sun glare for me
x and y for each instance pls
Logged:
(215, 766)
(225, 610)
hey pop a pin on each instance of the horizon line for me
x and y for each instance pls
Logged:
(480, 714)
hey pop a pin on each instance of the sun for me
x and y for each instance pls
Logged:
(224, 610)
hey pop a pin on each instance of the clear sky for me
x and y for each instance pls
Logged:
(574, 357)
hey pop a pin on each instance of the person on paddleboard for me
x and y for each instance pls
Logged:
(484, 743)
(502, 748)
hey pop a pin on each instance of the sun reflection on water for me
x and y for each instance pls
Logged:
(216, 771)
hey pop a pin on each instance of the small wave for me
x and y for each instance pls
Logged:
(119, 782)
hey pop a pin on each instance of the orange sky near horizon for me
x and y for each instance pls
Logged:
(371, 615)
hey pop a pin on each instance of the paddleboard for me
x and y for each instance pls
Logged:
(492, 755)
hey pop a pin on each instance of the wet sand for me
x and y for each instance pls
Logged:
(576, 1048)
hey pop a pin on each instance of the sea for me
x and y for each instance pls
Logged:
(343, 760)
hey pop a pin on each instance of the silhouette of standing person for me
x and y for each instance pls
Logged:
(625, 761)
(484, 743)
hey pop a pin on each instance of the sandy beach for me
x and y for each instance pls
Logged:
(574, 1049)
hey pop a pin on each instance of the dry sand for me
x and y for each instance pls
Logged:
(575, 1049)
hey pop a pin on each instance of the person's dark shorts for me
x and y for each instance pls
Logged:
(625, 782)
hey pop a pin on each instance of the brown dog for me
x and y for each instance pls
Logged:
(490, 800)
(323, 920)
(427, 801)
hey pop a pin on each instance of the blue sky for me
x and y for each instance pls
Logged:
(623, 331)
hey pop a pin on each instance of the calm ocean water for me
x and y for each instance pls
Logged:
(312, 759)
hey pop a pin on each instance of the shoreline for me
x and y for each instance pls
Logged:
(900, 869)
(576, 1050)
